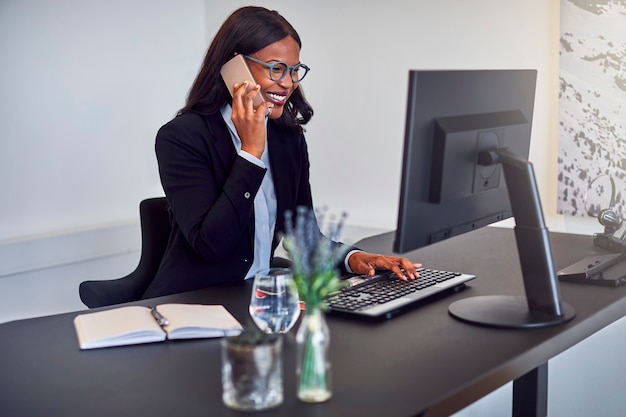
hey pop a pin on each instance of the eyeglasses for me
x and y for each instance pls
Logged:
(278, 70)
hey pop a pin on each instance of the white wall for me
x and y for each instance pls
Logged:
(359, 85)
(84, 87)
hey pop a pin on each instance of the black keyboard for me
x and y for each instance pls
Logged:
(378, 295)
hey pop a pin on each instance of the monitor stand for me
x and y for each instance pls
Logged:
(508, 312)
(542, 305)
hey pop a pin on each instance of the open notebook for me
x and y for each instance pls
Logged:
(131, 325)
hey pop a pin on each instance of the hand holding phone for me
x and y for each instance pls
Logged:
(236, 71)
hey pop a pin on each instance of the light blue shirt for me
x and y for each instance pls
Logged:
(264, 202)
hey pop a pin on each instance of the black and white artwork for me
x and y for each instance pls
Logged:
(592, 107)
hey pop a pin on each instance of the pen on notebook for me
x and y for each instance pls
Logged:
(160, 319)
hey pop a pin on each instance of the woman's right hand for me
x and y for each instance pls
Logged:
(248, 120)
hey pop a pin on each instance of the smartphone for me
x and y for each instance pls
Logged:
(236, 71)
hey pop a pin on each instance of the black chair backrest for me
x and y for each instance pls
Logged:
(155, 232)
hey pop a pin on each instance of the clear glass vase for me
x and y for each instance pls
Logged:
(313, 364)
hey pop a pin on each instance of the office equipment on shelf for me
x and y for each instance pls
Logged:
(466, 144)
(607, 217)
(607, 270)
(385, 295)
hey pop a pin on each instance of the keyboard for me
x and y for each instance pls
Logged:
(385, 295)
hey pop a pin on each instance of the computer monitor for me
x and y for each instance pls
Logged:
(465, 166)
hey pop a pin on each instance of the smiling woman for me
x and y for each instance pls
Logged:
(269, 71)
(275, 40)
(232, 167)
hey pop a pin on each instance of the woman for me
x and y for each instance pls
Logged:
(231, 169)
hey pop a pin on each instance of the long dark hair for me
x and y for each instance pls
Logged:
(246, 31)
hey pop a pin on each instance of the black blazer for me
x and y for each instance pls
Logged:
(211, 192)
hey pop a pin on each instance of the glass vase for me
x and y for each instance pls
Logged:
(313, 365)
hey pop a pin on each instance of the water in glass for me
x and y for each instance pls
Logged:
(274, 304)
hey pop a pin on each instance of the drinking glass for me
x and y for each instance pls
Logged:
(252, 374)
(274, 303)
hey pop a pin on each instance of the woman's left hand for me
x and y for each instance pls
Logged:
(368, 263)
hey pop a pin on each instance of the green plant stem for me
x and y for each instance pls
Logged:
(313, 368)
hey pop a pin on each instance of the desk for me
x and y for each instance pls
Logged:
(421, 361)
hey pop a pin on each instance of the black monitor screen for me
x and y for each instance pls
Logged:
(453, 115)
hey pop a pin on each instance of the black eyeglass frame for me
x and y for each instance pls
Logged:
(291, 69)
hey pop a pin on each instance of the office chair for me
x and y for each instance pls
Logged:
(155, 232)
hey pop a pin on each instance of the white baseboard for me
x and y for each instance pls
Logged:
(19, 256)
